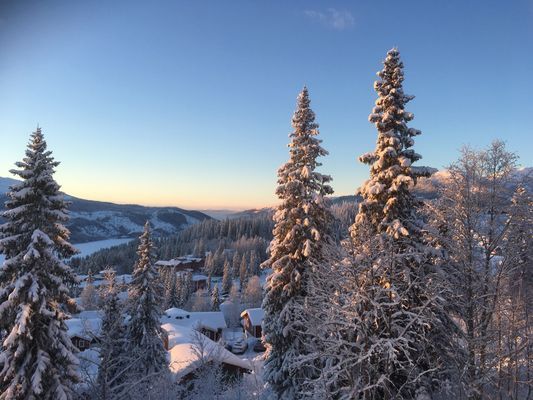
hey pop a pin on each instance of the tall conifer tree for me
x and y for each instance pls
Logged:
(243, 273)
(226, 278)
(301, 226)
(401, 331)
(215, 299)
(37, 358)
(114, 357)
(145, 334)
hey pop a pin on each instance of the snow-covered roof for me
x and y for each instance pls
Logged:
(177, 261)
(86, 328)
(178, 334)
(190, 258)
(120, 279)
(255, 315)
(212, 320)
(177, 313)
(199, 277)
(189, 348)
(170, 263)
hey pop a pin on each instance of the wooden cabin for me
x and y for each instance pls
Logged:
(252, 320)
(187, 263)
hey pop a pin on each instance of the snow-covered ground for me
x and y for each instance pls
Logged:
(89, 248)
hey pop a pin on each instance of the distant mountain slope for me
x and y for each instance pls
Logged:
(428, 188)
(219, 214)
(96, 220)
(265, 211)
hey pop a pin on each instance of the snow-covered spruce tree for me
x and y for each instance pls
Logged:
(185, 288)
(243, 273)
(165, 278)
(388, 204)
(188, 286)
(209, 263)
(37, 358)
(236, 264)
(181, 290)
(172, 298)
(218, 260)
(114, 357)
(144, 330)
(301, 226)
(253, 264)
(226, 278)
(402, 334)
(215, 299)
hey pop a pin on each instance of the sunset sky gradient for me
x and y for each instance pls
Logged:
(188, 103)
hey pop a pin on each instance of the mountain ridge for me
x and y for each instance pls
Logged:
(425, 189)
(92, 220)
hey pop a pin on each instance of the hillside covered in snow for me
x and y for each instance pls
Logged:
(96, 220)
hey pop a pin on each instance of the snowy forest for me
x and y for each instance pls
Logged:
(393, 293)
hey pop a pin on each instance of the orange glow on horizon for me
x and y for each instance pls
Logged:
(169, 199)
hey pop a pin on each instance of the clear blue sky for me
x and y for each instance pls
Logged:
(188, 103)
